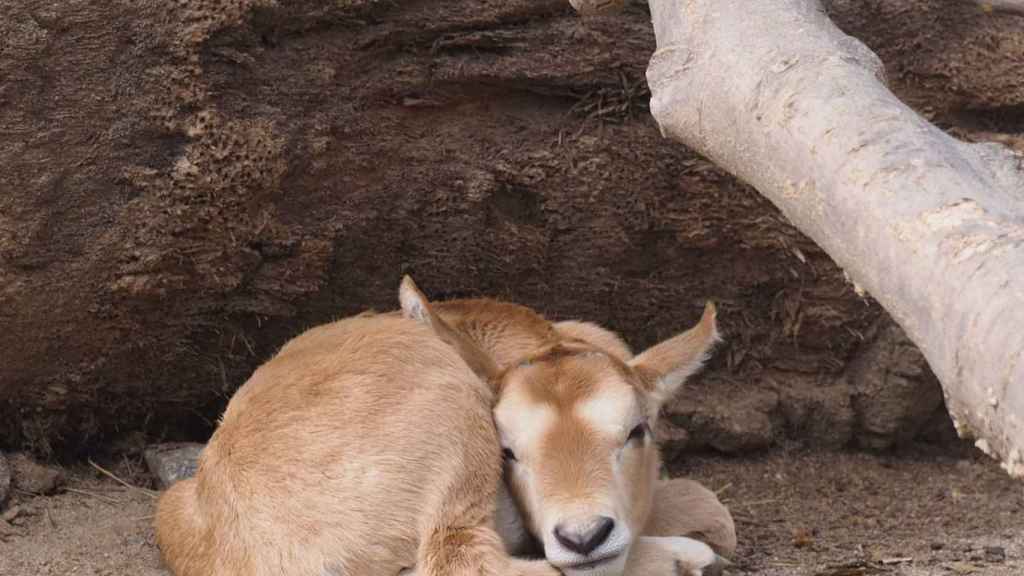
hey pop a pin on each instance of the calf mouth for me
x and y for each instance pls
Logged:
(590, 564)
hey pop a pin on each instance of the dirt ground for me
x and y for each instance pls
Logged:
(797, 513)
(917, 513)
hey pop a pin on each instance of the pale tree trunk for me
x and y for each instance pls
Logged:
(931, 226)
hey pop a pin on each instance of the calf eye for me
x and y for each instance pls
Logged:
(508, 455)
(637, 433)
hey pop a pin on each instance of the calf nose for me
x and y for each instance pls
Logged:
(584, 537)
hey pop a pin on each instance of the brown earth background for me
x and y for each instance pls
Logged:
(186, 185)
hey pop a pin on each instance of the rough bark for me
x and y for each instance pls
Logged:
(186, 185)
(956, 65)
(931, 226)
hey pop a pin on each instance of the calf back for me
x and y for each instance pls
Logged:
(336, 457)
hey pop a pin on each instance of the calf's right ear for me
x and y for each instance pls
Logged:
(671, 362)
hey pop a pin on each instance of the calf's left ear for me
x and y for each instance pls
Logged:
(416, 306)
(668, 364)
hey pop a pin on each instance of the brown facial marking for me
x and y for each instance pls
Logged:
(563, 377)
(565, 374)
(580, 470)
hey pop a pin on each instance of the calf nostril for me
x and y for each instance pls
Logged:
(604, 528)
(585, 537)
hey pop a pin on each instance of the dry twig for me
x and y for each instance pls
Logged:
(114, 477)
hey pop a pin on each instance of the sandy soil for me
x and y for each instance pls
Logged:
(914, 514)
(797, 513)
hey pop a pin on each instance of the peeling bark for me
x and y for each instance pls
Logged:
(931, 226)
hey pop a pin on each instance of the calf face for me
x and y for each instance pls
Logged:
(575, 419)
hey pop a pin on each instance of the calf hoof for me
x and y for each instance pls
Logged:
(716, 568)
(695, 558)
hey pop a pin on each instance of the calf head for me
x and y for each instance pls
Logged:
(576, 426)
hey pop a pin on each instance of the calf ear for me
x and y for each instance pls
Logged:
(415, 306)
(668, 364)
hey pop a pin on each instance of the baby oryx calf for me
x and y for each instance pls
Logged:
(575, 415)
(363, 447)
(368, 446)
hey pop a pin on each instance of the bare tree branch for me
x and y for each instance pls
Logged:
(933, 227)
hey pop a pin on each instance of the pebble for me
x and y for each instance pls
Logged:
(35, 478)
(6, 530)
(11, 514)
(995, 554)
(173, 462)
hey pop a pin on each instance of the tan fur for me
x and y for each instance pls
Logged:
(364, 447)
(597, 336)
(569, 394)
(367, 447)
(686, 508)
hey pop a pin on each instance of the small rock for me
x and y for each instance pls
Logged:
(19, 515)
(742, 430)
(995, 554)
(802, 538)
(895, 393)
(821, 414)
(33, 477)
(937, 545)
(6, 530)
(730, 422)
(744, 425)
(11, 514)
(962, 568)
(173, 462)
(5, 479)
